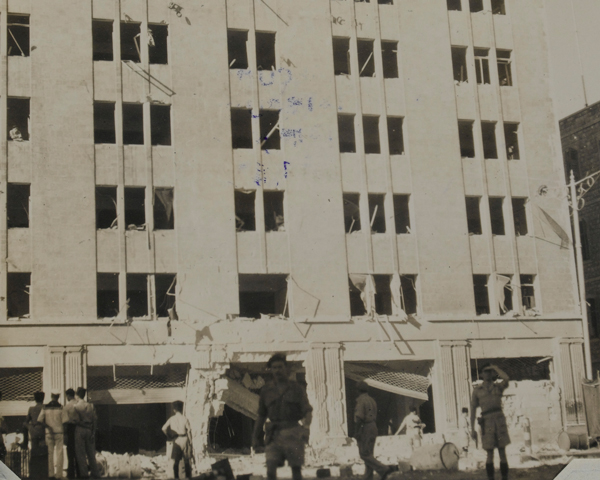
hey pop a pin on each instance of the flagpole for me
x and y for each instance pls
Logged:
(581, 278)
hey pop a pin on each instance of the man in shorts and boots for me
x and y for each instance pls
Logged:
(177, 429)
(365, 414)
(494, 432)
(284, 403)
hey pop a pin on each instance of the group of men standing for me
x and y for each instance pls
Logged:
(51, 426)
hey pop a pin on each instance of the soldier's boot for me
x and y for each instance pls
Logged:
(489, 468)
(504, 470)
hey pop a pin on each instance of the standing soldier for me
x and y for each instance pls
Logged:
(284, 403)
(494, 432)
(52, 417)
(365, 415)
(38, 463)
(177, 429)
(70, 421)
(85, 431)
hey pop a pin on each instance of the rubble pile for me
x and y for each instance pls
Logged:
(115, 465)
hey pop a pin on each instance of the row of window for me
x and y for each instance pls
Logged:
(482, 66)
(496, 206)
(498, 6)
(488, 137)
(506, 302)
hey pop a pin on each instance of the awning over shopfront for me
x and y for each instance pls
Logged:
(384, 378)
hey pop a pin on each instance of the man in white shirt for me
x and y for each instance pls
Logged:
(177, 429)
(52, 416)
(413, 425)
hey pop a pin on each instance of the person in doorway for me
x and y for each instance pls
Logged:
(365, 415)
(494, 432)
(38, 463)
(464, 426)
(284, 403)
(85, 431)
(177, 429)
(414, 427)
(52, 417)
(70, 420)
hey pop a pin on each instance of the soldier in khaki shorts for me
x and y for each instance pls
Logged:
(494, 432)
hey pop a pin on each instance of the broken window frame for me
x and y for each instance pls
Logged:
(341, 56)
(346, 133)
(389, 58)
(102, 41)
(385, 2)
(498, 7)
(236, 54)
(351, 212)
(249, 285)
(496, 205)
(527, 283)
(266, 51)
(488, 138)
(586, 252)
(454, 5)
(395, 126)
(274, 210)
(459, 64)
(466, 138)
(18, 116)
(133, 123)
(519, 207)
(17, 208)
(160, 125)
(103, 309)
(104, 118)
(377, 220)
(135, 284)
(409, 295)
(473, 217)
(158, 44)
(130, 50)
(383, 294)
(481, 294)
(508, 295)
(18, 35)
(365, 48)
(163, 208)
(511, 139)
(357, 306)
(402, 214)
(371, 136)
(482, 66)
(593, 320)
(133, 215)
(106, 195)
(18, 289)
(269, 129)
(245, 217)
(504, 61)
(165, 287)
(475, 6)
(241, 122)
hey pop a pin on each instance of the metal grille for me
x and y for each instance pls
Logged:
(142, 379)
(379, 373)
(522, 368)
(18, 461)
(20, 383)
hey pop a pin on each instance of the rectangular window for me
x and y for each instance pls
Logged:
(366, 62)
(395, 137)
(504, 69)
(498, 7)
(385, 2)
(237, 49)
(506, 301)
(488, 135)
(383, 294)
(158, 44)
(402, 214)
(17, 35)
(371, 133)
(482, 66)
(459, 64)
(17, 205)
(18, 289)
(571, 156)
(265, 51)
(137, 295)
(160, 124)
(480, 289)
(377, 212)
(593, 317)
(133, 124)
(341, 55)
(107, 295)
(346, 133)
(274, 218)
(473, 215)
(164, 215)
(135, 208)
(519, 206)
(269, 130)
(467, 143)
(106, 207)
(454, 5)
(245, 218)
(352, 212)
(263, 295)
(241, 128)
(511, 138)
(130, 41)
(165, 284)
(17, 119)
(102, 39)
(104, 122)
(585, 240)
(497, 215)
(408, 285)
(528, 291)
(475, 6)
(389, 57)
(357, 307)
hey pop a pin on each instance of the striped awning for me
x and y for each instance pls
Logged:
(384, 378)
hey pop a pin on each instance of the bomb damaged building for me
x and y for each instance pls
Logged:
(192, 186)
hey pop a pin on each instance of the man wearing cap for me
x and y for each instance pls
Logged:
(494, 432)
(284, 403)
(365, 414)
(52, 417)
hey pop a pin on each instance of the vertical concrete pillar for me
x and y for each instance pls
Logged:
(570, 371)
(327, 393)
(452, 383)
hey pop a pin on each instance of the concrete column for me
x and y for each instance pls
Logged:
(327, 393)
(451, 383)
(570, 370)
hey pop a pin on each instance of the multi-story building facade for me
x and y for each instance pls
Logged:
(192, 186)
